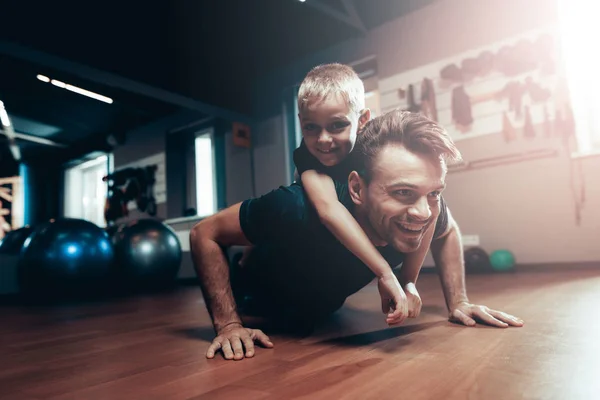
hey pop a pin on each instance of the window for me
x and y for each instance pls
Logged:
(577, 20)
(297, 127)
(206, 180)
(85, 192)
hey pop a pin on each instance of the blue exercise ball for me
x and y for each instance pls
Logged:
(67, 254)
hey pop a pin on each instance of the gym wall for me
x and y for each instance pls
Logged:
(148, 141)
(152, 141)
(528, 207)
(171, 141)
(270, 155)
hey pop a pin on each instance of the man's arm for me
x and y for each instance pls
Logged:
(447, 252)
(448, 256)
(206, 241)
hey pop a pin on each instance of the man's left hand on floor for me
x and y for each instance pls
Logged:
(469, 314)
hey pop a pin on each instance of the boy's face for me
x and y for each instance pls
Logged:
(329, 128)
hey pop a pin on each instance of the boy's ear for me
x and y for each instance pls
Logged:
(365, 116)
(356, 187)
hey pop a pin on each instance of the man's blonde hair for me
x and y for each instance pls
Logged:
(338, 79)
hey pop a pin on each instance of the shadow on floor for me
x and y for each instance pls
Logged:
(204, 333)
(367, 338)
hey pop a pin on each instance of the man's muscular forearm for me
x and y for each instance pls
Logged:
(213, 273)
(447, 253)
(206, 239)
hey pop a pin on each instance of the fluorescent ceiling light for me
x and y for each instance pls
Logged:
(89, 94)
(58, 83)
(4, 115)
(76, 89)
(31, 138)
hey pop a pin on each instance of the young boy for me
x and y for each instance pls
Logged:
(331, 104)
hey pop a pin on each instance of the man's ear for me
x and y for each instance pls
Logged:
(365, 116)
(356, 188)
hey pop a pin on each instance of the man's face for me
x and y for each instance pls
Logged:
(402, 200)
(329, 128)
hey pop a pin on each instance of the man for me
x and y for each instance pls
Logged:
(298, 271)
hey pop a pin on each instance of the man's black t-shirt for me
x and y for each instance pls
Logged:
(296, 262)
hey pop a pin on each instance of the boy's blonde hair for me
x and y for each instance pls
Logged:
(339, 79)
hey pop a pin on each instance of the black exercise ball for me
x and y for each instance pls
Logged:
(477, 261)
(65, 255)
(13, 241)
(148, 253)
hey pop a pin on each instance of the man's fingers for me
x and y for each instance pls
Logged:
(263, 339)
(249, 345)
(236, 345)
(484, 316)
(463, 318)
(227, 351)
(215, 345)
(504, 317)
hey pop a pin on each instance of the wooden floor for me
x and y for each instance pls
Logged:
(153, 348)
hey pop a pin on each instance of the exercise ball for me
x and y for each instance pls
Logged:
(13, 241)
(502, 260)
(477, 260)
(65, 255)
(148, 253)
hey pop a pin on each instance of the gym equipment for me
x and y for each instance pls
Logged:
(148, 253)
(477, 261)
(13, 241)
(65, 256)
(130, 184)
(502, 260)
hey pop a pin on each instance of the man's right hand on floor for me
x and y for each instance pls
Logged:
(237, 342)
